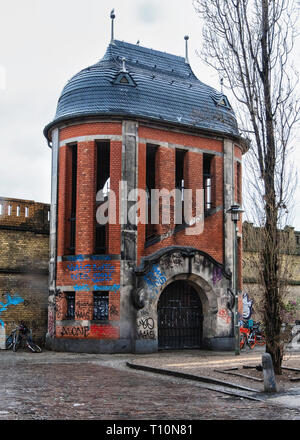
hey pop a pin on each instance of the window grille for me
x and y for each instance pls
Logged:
(70, 296)
(100, 311)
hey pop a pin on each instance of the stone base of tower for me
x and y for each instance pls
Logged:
(96, 346)
(219, 344)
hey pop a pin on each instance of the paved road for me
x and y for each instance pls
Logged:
(55, 386)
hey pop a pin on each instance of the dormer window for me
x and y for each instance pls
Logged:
(221, 100)
(124, 78)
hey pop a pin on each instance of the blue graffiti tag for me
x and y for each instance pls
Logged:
(155, 278)
(10, 301)
(94, 272)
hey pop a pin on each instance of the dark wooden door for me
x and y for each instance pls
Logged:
(179, 317)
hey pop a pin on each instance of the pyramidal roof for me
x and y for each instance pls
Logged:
(134, 81)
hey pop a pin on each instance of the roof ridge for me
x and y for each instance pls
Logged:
(148, 49)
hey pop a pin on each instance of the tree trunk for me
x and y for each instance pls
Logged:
(271, 240)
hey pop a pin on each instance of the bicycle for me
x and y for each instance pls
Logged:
(20, 335)
(11, 340)
(251, 336)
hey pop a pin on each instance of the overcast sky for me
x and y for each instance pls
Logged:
(44, 43)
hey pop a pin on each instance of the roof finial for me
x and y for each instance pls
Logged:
(186, 49)
(112, 16)
(221, 81)
(124, 66)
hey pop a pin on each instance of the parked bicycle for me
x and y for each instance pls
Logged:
(22, 336)
(251, 334)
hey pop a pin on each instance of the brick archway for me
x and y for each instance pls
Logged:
(192, 268)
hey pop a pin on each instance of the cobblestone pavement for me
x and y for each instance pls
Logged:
(68, 386)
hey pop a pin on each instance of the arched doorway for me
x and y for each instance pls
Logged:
(179, 317)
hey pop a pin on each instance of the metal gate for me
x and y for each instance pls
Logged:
(179, 317)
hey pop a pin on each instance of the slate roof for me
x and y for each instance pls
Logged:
(161, 87)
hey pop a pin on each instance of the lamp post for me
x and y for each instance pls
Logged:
(235, 212)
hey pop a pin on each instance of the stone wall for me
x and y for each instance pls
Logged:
(24, 256)
(291, 262)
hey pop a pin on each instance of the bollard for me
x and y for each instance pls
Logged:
(269, 376)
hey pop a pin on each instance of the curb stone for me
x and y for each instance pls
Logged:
(191, 377)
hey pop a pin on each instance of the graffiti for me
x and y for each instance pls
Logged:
(146, 334)
(146, 323)
(113, 311)
(113, 288)
(217, 275)
(295, 341)
(80, 304)
(83, 314)
(174, 260)
(83, 287)
(10, 301)
(86, 288)
(75, 331)
(90, 276)
(92, 257)
(59, 294)
(146, 328)
(223, 314)
(51, 325)
(59, 310)
(100, 257)
(247, 306)
(155, 278)
(95, 273)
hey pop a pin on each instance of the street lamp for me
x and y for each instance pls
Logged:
(235, 212)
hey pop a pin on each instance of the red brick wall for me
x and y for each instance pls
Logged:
(141, 229)
(85, 232)
(180, 139)
(165, 179)
(86, 198)
(115, 177)
(89, 129)
(64, 200)
(80, 273)
(211, 240)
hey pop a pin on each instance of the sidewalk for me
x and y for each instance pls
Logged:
(225, 369)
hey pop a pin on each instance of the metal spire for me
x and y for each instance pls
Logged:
(112, 16)
(186, 49)
(124, 65)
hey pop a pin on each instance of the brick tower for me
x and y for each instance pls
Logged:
(140, 119)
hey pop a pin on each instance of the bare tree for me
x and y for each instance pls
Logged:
(250, 43)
